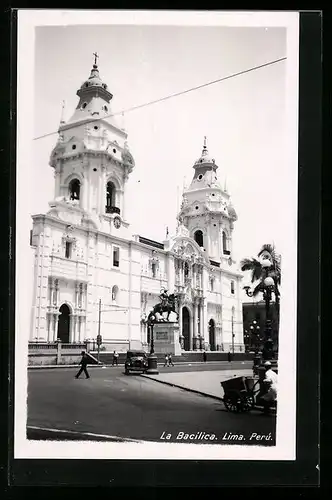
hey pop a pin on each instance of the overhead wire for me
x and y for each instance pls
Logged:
(139, 106)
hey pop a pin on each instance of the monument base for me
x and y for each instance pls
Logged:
(166, 338)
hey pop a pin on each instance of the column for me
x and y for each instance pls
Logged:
(79, 319)
(180, 321)
(195, 317)
(51, 284)
(85, 185)
(48, 320)
(73, 329)
(55, 319)
(102, 190)
(122, 204)
(56, 293)
(204, 321)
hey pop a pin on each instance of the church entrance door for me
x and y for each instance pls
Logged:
(186, 328)
(212, 335)
(64, 324)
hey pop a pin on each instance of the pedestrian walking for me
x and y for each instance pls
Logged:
(83, 363)
(204, 356)
(115, 358)
(170, 361)
(229, 356)
(166, 360)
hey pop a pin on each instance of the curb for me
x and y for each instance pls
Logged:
(195, 391)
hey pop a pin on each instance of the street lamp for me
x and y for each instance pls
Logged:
(254, 334)
(152, 358)
(268, 288)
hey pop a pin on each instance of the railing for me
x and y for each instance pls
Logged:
(48, 346)
(112, 210)
(38, 346)
(73, 346)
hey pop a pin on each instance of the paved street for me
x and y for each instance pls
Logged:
(135, 407)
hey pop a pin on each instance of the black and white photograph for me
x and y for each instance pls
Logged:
(156, 235)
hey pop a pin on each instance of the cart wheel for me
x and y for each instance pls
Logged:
(248, 403)
(233, 405)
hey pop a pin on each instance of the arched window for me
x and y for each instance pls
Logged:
(74, 189)
(115, 291)
(224, 242)
(198, 236)
(110, 197)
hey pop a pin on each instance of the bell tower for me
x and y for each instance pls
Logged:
(207, 211)
(91, 159)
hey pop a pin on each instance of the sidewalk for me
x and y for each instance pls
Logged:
(206, 383)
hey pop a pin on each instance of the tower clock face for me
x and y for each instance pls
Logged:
(117, 222)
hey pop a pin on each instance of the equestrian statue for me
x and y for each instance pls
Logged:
(167, 304)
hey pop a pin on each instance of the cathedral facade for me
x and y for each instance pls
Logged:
(92, 275)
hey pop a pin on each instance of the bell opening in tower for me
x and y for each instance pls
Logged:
(224, 244)
(74, 189)
(198, 236)
(110, 199)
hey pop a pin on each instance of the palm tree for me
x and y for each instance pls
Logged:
(259, 273)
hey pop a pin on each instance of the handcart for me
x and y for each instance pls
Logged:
(240, 393)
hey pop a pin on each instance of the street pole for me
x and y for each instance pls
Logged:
(152, 340)
(152, 358)
(99, 318)
(232, 334)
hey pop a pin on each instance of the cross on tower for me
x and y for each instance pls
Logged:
(96, 57)
(205, 142)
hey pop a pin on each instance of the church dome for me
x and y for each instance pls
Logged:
(94, 79)
(205, 158)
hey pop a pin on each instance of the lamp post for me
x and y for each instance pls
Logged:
(268, 288)
(233, 335)
(152, 358)
(99, 339)
(254, 334)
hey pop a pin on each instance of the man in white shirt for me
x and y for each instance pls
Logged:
(271, 382)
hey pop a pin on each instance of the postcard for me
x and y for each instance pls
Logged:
(156, 244)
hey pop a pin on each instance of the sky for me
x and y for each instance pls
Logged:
(243, 117)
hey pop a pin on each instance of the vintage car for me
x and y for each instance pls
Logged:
(136, 361)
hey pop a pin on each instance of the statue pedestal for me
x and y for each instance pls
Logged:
(166, 338)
